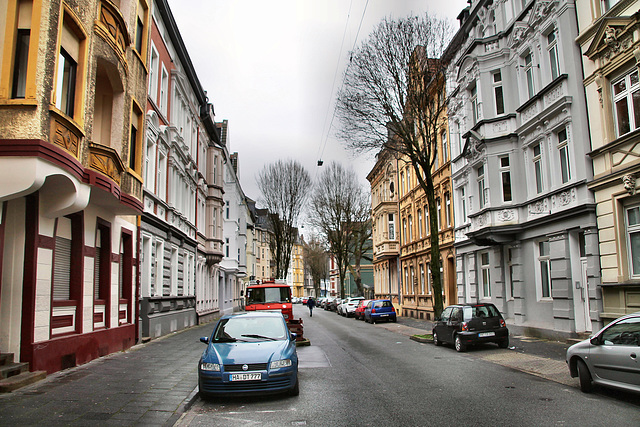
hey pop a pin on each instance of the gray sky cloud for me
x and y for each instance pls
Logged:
(269, 67)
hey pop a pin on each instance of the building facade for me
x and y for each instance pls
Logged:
(610, 44)
(526, 236)
(72, 99)
(180, 133)
(383, 179)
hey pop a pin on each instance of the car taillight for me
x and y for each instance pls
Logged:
(393, 309)
(465, 326)
(373, 311)
(502, 323)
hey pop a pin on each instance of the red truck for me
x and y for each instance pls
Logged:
(273, 295)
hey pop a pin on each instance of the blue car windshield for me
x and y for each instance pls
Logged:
(250, 329)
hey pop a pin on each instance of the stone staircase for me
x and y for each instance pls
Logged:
(16, 375)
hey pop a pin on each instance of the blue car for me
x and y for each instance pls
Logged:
(249, 353)
(380, 309)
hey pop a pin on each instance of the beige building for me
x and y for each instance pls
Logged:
(609, 37)
(384, 214)
(73, 89)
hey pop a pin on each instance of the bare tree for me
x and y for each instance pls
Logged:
(336, 210)
(394, 98)
(285, 186)
(361, 242)
(316, 261)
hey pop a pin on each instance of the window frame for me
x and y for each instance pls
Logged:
(505, 174)
(553, 51)
(538, 167)
(480, 179)
(564, 155)
(544, 270)
(485, 274)
(529, 76)
(496, 79)
(626, 95)
(628, 230)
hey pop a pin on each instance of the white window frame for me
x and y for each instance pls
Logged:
(420, 223)
(463, 204)
(154, 60)
(529, 77)
(482, 188)
(564, 155)
(552, 49)
(496, 79)
(629, 230)
(439, 209)
(447, 212)
(505, 174)
(164, 90)
(445, 151)
(543, 267)
(474, 105)
(485, 274)
(422, 279)
(538, 167)
(624, 97)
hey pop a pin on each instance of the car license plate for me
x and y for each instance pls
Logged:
(246, 377)
(486, 334)
(383, 315)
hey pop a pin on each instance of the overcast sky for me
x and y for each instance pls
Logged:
(272, 69)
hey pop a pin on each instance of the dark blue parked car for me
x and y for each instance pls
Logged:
(379, 309)
(249, 353)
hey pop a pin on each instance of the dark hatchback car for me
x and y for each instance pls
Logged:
(469, 324)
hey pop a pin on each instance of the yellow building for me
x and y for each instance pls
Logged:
(73, 91)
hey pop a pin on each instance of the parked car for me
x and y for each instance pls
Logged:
(380, 309)
(304, 300)
(249, 353)
(334, 304)
(349, 306)
(468, 324)
(359, 312)
(327, 303)
(610, 357)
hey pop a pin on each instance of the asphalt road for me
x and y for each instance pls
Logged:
(356, 373)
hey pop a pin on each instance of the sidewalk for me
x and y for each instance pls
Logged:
(538, 357)
(146, 385)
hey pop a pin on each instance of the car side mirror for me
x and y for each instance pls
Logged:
(595, 340)
(204, 340)
(293, 336)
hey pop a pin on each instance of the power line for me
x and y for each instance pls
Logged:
(342, 84)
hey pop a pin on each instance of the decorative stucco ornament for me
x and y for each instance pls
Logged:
(629, 183)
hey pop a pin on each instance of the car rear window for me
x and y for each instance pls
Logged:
(485, 311)
(380, 304)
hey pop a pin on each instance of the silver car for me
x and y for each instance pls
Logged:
(610, 357)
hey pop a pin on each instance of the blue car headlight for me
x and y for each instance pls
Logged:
(210, 367)
(283, 363)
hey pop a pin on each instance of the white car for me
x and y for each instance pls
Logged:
(348, 307)
(610, 357)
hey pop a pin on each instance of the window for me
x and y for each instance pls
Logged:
(402, 183)
(481, 187)
(153, 74)
(497, 92)
(537, 166)
(392, 232)
(447, 212)
(426, 219)
(158, 284)
(226, 209)
(161, 186)
(66, 83)
(404, 230)
(135, 139)
(463, 205)
(505, 174)
(419, 224)
(563, 151)
(625, 332)
(62, 261)
(485, 275)
(422, 279)
(445, 149)
(528, 69)
(149, 165)
(633, 239)
(410, 228)
(626, 99)
(438, 208)
(608, 4)
(172, 289)
(552, 48)
(140, 28)
(164, 89)
(226, 244)
(474, 105)
(428, 278)
(545, 269)
(20, 64)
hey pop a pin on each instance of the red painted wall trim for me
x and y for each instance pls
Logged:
(29, 279)
(3, 221)
(49, 355)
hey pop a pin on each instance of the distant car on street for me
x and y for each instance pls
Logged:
(468, 324)
(348, 307)
(610, 358)
(249, 353)
(359, 312)
(380, 309)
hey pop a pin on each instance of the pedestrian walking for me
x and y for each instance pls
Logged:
(311, 303)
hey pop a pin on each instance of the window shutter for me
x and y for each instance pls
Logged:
(62, 269)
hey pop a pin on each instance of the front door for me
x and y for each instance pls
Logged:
(588, 327)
